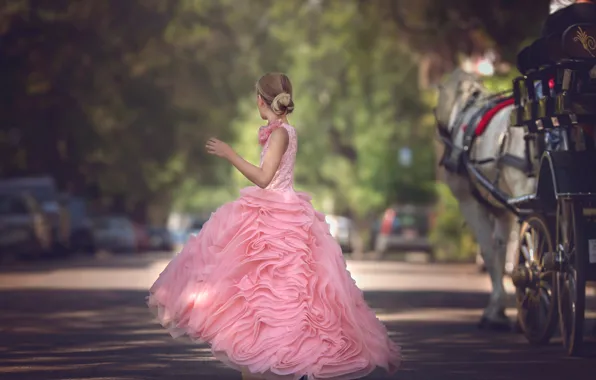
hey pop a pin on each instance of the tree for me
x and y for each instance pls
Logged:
(442, 31)
(121, 95)
(357, 104)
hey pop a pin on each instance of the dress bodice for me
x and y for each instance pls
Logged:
(284, 176)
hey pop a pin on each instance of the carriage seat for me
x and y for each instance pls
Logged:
(552, 46)
(558, 22)
(576, 43)
(565, 66)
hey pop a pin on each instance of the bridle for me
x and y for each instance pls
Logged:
(446, 135)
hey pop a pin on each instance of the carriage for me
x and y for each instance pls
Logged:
(553, 105)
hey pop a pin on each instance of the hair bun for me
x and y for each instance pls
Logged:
(282, 103)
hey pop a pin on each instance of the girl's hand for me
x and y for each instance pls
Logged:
(219, 148)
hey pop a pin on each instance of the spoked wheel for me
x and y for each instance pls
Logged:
(535, 289)
(572, 249)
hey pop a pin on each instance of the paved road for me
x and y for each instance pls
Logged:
(86, 319)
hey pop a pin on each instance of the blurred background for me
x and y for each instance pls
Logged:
(106, 105)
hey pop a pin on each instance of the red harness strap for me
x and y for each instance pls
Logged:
(483, 123)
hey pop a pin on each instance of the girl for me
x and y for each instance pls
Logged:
(264, 282)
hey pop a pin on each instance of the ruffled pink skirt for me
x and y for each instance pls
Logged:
(266, 285)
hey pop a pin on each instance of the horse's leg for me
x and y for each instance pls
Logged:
(498, 301)
(482, 223)
(512, 246)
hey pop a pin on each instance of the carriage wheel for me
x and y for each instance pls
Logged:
(535, 286)
(571, 280)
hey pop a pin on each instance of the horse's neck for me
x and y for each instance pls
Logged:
(456, 114)
(460, 106)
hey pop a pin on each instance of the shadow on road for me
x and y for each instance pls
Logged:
(92, 335)
(61, 334)
(101, 260)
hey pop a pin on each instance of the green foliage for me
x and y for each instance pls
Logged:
(133, 97)
(501, 82)
(447, 29)
(122, 95)
(357, 108)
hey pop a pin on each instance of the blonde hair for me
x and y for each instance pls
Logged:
(276, 91)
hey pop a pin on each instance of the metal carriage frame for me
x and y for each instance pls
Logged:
(557, 245)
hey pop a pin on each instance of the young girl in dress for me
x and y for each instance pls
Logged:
(264, 282)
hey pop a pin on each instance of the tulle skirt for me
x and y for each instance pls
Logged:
(266, 286)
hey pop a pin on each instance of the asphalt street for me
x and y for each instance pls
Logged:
(85, 318)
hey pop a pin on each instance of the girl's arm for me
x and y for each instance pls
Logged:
(260, 176)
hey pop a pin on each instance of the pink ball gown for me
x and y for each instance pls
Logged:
(266, 285)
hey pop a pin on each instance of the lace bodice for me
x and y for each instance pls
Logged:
(284, 177)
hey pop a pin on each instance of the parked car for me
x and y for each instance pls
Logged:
(115, 233)
(45, 191)
(180, 236)
(179, 239)
(141, 237)
(404, 229)
(196, 226)
(342, 229)
(81, 226)
(24, 228)
(160, 239)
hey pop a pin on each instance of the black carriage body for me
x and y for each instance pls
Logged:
(563, 67)
(555, 102)
(566, 174)
(571, 175)
(564, 64)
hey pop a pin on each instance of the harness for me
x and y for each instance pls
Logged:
(457, 159)
(452, 156)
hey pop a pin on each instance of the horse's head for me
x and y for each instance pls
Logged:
(454, 92)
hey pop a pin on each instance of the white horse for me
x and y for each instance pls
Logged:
(499, 154)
